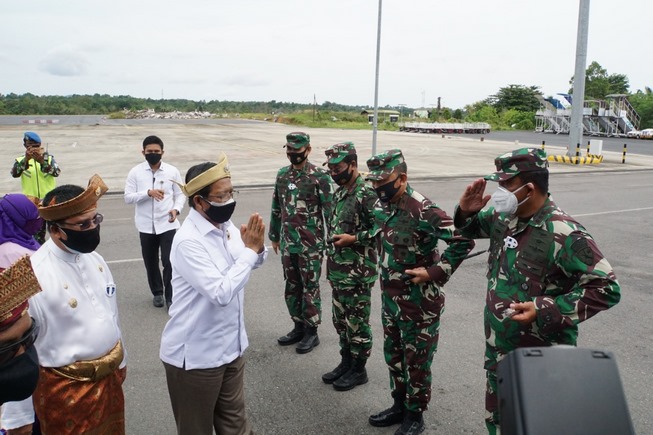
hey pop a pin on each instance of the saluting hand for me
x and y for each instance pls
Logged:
(253, 234)
(473, 199)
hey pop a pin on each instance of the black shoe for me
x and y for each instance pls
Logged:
(413, 424)
(309, 341)
(356, 375)
(343, 367)
(158, 301)
(388, 417)
(293, 336)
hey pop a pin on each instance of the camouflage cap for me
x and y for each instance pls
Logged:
(382, 165)
(514, 162)
(336, 153)
(297, 140)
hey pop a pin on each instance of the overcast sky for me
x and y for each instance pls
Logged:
(289, 50)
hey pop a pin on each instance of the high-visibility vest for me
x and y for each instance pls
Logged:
(35, 182)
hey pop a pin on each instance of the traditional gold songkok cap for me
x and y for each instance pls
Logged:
(86, 201)
(218, 172)
(17, 284)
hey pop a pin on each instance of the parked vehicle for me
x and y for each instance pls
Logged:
(647, 133)
(634, 133)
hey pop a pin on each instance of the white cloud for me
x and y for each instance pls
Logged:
(64, 60)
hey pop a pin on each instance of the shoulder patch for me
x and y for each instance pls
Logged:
(583, 251)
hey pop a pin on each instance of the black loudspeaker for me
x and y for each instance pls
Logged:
(561, 390)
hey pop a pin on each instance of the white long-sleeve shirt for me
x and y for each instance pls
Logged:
(76, 311)
(210, 267)
(151, 216)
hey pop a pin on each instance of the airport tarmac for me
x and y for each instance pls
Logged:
(255, 150)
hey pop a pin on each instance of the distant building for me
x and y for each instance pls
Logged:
(384, 115)
(421, 113)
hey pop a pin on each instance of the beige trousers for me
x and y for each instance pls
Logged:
(207, 399)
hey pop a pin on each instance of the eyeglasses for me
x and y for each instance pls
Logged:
(9, 351)
(221, 198)
(83, 226)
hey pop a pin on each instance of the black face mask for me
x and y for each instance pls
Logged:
(343, 177)
(387, 191)
(296, 158)
(153, 158)
(19, 376)
(82, 242)
(221, 213)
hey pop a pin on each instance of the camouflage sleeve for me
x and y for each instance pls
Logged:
(595, 287)
(50, 165)
(476, 226)
(368, 205)
(457, 246)
(18, 168)
(326, 200)
(274, 233)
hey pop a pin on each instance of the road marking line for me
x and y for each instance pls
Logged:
(614, 211)
(128, 260)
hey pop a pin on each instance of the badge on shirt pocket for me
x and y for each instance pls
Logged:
(110, 289)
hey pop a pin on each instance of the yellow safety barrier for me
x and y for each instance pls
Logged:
(591, 159)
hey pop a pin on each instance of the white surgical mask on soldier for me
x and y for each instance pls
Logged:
(505, 201)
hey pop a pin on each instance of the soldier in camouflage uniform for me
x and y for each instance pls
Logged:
(301, 204)
(409, 228)
(545, 272)
(351, 266)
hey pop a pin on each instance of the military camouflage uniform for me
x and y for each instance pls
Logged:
(409, 231)
(300, 204)
(549, 259)
(351, 270)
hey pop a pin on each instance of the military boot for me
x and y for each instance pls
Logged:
(309, 341)
(293, 336)
(413, 424)
(390, 416)
(342, 368)
(356, 375)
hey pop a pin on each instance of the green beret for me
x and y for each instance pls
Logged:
(382, 165)
(518, 161)
(336, 153)
(297, 140)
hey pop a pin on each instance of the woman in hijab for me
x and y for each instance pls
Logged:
(19, 222)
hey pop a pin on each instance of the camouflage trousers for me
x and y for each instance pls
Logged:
(491, 403)
(410, 341)
(302, 274)
(351, 317)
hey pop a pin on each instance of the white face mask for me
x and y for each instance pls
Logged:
(505, 201)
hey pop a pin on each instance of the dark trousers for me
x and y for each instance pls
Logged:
(150, 245)
(204, 400)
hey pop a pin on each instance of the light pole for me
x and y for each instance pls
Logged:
(577, 102)
(376, 82)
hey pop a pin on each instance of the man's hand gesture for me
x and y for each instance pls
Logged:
(473, 199)
(253, 233)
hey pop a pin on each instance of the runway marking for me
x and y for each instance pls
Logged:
(614, 211)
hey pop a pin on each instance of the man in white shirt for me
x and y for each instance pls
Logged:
(203, 343)
(79, 345)
(152, 186)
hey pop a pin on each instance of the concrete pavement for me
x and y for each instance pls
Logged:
(255, 150)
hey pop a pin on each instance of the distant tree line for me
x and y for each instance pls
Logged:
(513, 106)
(103, 104)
